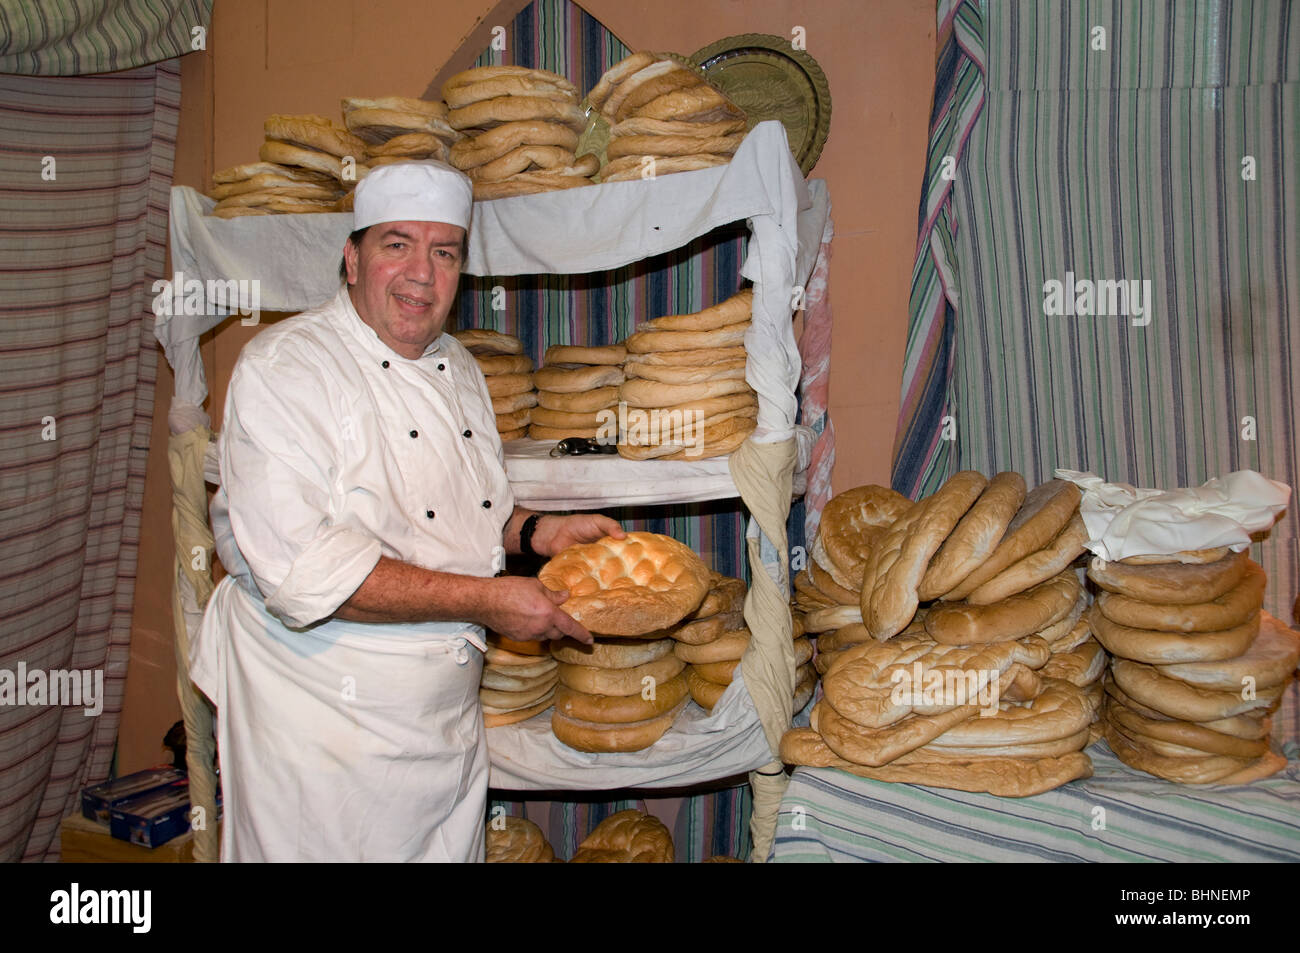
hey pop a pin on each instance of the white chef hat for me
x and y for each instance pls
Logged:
(425, 191)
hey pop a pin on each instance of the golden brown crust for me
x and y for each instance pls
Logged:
(480, 149)
(1081, 666)
(633, 168)
(620, 681)
(491, 364)
(1175, 583)
(732, 370)
(641, 126)
(699, 631)
(1270, 660)
(1025, 613)
(487, 113)
(577, 378)
(1035, 568)
(590, 401)
(627, 837)
(516, 840)
(1231, 609)
(877, 746)
(484, 341)
(1137, 726)
(1155, 647)
(504, 385)
(595, 737)
(494, 718)
(1184, 702)
(314, 132)
(851, 523)
(620, 709)
(572, 354)
(975, 537)
(522, 159)
(643, 342)
(673, 146)
(611, 653)
(616, 74)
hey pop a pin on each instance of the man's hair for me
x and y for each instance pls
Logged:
(360, 233)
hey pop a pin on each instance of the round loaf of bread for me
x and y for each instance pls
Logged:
(700, 103)
(673, 146)
(540, 649)
(898, 563)
(482, 148)
(513, 700)
(727, 647)
(1037, 567)
(512, 402)
(691, 357)
(878, 746)
(832, 618)
(288, 154)
(596, 737)
(414, 145)
(620, 681)
(484, 341)
(646, 84)
(637, 168)
(562, 419)
(1045, 512)
(378, 124)
(1186, 733)
(620, 653)
(1195, 769)
(529, 183)
(1081, 666)
(616, 74)
(975, 537)
(491, 364)
(522, 159)
(602, 398)
(1195, 557)
(1270, 661)
(627, 837)
(515, 840)
(494, 718)
(273, 202)
(732, 370)
(517, 677)
(572, 354)
(620, 709)
(251, 171)
(1173, 583)
(825, 583)
(644, 342)
(850, 523)
(647, 393)
(640, 126)
(314, 132)
(577, 378)
(507, 435)
(1072, 631)
(1251, 725)
(1177, 699)
(1027, 612)
(629, 586)
(505, 385)
(719, 673)
(1235, 607)
(707, 629)
(539, 432)
(706, 694)
(487, 113)
(514, 420)
(1155, 647)
(726, 594)
(490, 82)
(498, 656)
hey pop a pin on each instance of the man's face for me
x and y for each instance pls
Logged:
(403, 279)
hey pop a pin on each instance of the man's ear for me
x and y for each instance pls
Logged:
(350, 255)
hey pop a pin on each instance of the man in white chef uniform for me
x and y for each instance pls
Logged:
(363, 514)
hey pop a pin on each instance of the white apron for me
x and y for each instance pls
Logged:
(366, 745)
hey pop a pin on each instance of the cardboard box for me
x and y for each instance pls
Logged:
(153, 818)
(98, 801)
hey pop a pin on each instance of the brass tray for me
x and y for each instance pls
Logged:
(769, 79)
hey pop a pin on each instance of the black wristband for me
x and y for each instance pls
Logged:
(526, 535)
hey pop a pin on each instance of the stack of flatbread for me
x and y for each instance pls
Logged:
(623, 692)
(317, 144)
(577, 392)
(1198, 666)
(972, 718)
(664, 117)
(399, 129)
(521, 128)
(265, 188)
(686, 395)
(518, 681)
(509, 375)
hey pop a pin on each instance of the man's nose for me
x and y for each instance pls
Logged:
(419, 267)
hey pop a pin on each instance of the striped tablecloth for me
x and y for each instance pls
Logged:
(1116, 815)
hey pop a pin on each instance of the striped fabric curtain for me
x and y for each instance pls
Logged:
(85, 171)
(544, 310)
(1108, 265)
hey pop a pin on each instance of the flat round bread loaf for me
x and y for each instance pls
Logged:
(504, 385)
(975, 537)
(514, 419)
(1177, 699)
(616, 74)
(1235, 607)
(1195, 769)
(491, 364)
(507, 435)
(1071, 631)
(487, 113)
(1045, 512)
(484, 341)
(274, 202)
(620, 681)
(898, 563)
(517, 676)
(617, 653)
(644, 342)
(696, 357)
(271, 170)
(596, 737)
(422, 107)
(726, 594)
(629, 586)
(539, 432)
(487, 82)
(1155, 647)
(668, 374)
(577, 378)
(1037, 567)
(1270, 660)
(1251, 725)
(374, 125)
(541, 649)
(647, 393)
(421, 145)
(815, 579)
(850, 523)
(560, 419)
(719, 673)
(522, 159)
(956, 623)
(639, 838)
(572, 354)
(288, 154)
(278, 185)
(707, 629)
(673, 146)
(640, 126)
(314, 132)
(646, 84)
(482, 148)
(621, 709)
(515, 840)
(1174, 583)
(877, 746)
(494, 719)
(1186, 733)
(590, 401)
(1081, 666)
(1186, 557)
(729, 646)
(702, 103)
(512, 700)
(832, 618)
(706, 694)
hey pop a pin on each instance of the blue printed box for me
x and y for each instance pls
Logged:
(98, 801)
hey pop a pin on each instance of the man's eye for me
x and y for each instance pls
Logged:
(396, 244)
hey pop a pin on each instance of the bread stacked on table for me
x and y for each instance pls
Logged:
(398, 129)
(965, 599)
(521, 127)
(1198, 666)
(623, 692)
(577, 392)
(686, 393)
(663, 117)
(308, 165)
(518, 681)
(509, 375)
(628, 837)
(516, 840)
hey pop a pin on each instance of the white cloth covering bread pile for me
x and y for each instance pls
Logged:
(308, 164)
(1197, 667)
(398, 129)
(518, 681)
(686, 395)
(623, 692)
(509, 375)
(663, 118)
(965, 660)
(577, 392)
(521, 129)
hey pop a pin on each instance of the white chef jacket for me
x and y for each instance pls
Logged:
(342, 740)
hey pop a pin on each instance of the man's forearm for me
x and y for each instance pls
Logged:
(400, 592)
(514, 526)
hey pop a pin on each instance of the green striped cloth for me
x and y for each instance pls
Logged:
(77, 37)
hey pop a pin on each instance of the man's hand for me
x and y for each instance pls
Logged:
(521, 608)
(555, 533)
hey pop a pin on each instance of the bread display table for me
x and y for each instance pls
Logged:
(1116, 815)
(293, 259)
